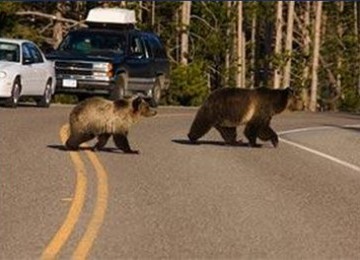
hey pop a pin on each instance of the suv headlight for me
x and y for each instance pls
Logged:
(108, 74)
(2, 74)
(103, 66)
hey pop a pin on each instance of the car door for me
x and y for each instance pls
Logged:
(39, 67)
(138, 64)
(27, 74)
(161, 63)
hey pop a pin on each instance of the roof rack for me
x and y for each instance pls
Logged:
(110, 26)
(115, 18)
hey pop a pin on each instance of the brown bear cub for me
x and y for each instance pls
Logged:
(227, 108)
(102, 118)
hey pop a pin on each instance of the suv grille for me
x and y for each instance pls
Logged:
(71, 64)
(73, 68)
(73, 72)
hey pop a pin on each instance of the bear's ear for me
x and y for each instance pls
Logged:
(136, 103)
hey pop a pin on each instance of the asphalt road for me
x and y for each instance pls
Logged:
(180, 201)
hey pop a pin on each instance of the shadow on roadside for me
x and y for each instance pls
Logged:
(106, 150)
(204, 142)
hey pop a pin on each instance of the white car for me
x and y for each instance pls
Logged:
(25, 72)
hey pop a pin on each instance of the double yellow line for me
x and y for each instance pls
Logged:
(97, 218)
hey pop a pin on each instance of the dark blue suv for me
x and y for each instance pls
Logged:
(112, 61)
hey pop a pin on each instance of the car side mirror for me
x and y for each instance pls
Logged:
(137, 55)
(28, 61)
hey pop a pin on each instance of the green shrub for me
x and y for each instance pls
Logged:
(65, 99)
(188, 85)
(350, 101)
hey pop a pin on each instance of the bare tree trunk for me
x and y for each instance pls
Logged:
(340, 30)
(79, 7)
(185, 22)
(289, 42)
(253, 50)
(153, 14)
(178, 36)
(140, 12)
(316, 53)
(268, 50)
(58, 27)
(278, 41)
(239, 60)
(243, 60)
(357, 32)
(233, 57)
(228, 48)
(306, 48)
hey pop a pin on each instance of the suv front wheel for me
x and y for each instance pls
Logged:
(156, 92)
(120, 87)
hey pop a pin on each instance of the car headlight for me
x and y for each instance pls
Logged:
(2, 74)
(103, 66)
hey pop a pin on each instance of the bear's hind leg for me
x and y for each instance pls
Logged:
(251, 133)
(102, 140)
(229, 134)
(266, 134)
(74, 140)
(122, 143)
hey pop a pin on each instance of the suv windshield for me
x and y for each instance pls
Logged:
(88, 41)
(9, 52)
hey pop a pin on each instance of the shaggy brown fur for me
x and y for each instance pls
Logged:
(102, 118)
(227, 108)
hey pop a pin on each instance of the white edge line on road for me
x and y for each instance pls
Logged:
(315, 128)
(318, 153)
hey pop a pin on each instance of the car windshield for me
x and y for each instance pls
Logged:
(90, 42)
(9, 52)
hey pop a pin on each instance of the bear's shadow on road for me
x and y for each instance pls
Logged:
(207, 142)
(106, 150)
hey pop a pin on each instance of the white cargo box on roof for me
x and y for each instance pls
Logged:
(111, 16)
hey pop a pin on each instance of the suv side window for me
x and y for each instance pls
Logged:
(157, 47)
(137, 48)
(148, 47)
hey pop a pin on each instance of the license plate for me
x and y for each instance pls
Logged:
(69, 83)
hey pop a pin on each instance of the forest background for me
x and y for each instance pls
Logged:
(312, 46)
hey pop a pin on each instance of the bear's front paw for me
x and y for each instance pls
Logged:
(275, 142)
(132, 151)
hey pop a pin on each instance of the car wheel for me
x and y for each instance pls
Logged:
(156, 93)
(45, 100)
(119, 90)
(15, 94)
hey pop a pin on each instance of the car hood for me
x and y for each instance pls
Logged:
(101, 56)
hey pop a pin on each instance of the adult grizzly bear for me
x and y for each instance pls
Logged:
(102, 118)
(227, 108)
